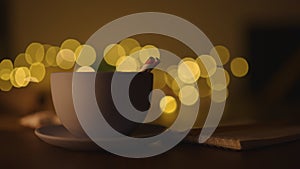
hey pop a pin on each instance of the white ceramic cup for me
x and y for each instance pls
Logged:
(61, 89)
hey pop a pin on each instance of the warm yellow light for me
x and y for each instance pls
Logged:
(176, 85)
(85, 69)
(239, 67)
(6, 67)
(20, 77)
(148, 51)
(20, 61)
(219, 80)
(127, 64)
(135, 50)
(37, 71)
(188, 71)
(5, 74)
(85, 55)
(204, 89)
(5, 85)
(188, 95)
(6, 64)
(71, 44)
(222, 52)
(34, 53)
(158, 79)
(65, 59)
(168, 104)
(51, 55)
(112, 53)
(128, 44)
(219, 96)
(135, 53)
(207, 65)
(170, 74)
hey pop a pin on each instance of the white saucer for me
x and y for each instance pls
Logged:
(59, 136)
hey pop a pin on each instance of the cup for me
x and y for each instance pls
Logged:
(139, 89)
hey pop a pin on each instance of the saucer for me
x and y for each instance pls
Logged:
(58, 135)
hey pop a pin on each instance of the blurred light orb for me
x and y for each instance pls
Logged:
(71, 44)
(51, 55)
(65, 59)
(20, 61)
(220, 52)
(37, 71)
(85, 55)
(158, 79)
(5, 85)
(217, 81)
(220, 96)
(127, 64)
(6, 64)
(188, 71)
(148, 51)
(129, 44)
(112, 53)
(204, 89)
(171, 74)
(20, 76)
(176, 85)
(168, 104)
(239, 67)
(207, 65)
(5, 74)
(35, 52)
(188, 95)
(85, 69)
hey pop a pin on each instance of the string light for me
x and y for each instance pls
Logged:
(128, 56)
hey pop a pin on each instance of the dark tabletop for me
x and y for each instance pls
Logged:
(20, 148)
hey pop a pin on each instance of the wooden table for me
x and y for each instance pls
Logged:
(20, 148)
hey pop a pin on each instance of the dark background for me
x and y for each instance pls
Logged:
(265, 32)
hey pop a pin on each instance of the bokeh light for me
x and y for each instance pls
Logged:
(6, 67)
(188, 71)
(34, 53)
(85, 55)
(20, 77)
(207, 65)
(158, 79)
(5, 85)
(85, 69)
(204, 89)
(5, 74)
(37, 71)
(171, 73)
(129, 44)
(220, 52)
(127, 64)
(176, 85)
(71, 44)
(20, 61)
(51, 55)
(217, 81)
(112, 53)
(220, 95)
(239, 67)
(168, 104)
(188, 95)
(148, 51)
(6, 64)
(65, 59)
